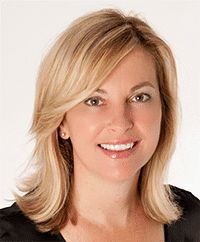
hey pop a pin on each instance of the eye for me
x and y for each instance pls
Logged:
(94, 101)
(143, 97)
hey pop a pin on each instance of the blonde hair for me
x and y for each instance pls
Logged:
(77, 64)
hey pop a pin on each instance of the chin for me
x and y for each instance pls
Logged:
(122, 176)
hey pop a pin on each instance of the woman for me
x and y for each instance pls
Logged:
(104, 124)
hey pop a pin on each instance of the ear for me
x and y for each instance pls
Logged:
(64, 130)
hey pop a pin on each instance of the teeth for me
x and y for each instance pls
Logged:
(117, 147)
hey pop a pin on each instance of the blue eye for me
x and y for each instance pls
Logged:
(93, 101)
(143, 97)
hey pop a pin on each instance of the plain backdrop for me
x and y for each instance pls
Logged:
(28, 28)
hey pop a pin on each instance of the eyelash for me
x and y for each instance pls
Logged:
(147, 96)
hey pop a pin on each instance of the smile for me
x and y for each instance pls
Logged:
(117, 147)
(119, 151)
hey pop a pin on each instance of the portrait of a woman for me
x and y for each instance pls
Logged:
(104, 124)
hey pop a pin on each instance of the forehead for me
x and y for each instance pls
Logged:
(135, 69)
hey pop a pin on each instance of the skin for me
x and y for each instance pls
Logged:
(115, 115)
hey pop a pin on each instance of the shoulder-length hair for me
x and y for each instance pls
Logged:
(77, 64)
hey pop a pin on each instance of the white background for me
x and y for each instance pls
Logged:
(28, 29)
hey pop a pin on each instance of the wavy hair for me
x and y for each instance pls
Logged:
(75, 66)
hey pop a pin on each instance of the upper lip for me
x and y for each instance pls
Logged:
(116, 142)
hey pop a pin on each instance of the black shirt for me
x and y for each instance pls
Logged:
(16, 227)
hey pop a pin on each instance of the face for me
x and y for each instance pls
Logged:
(115, 131)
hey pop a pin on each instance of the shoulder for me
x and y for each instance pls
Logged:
(188, 226)
(188, 202)
(15, 226)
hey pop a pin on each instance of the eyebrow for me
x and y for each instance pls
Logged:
(134, 88)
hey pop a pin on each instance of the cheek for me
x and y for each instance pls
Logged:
(85, 125)
(150, 121)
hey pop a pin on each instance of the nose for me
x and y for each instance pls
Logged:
(121, 120)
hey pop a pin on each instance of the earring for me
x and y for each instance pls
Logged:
(62, 134)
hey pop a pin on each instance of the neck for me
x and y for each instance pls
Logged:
(103, 202)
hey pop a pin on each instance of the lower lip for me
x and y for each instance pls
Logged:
(119, 154)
